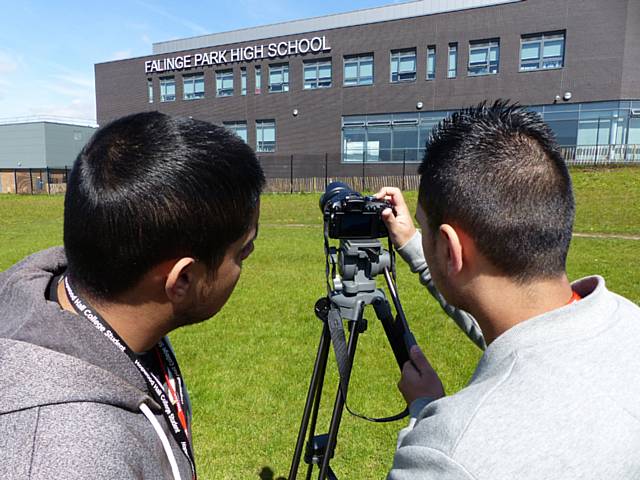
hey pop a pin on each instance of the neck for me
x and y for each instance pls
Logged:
(498, 303)
(140, 324)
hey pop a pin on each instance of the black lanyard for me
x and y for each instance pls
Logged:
(170, 412)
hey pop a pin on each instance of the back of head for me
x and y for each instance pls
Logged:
(149, 188)
(497, 173)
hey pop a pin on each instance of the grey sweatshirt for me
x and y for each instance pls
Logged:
(556, 396)
(70, 403)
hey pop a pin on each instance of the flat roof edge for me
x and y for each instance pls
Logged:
(398, 11)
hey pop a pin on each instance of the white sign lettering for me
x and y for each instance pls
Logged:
(241, 54)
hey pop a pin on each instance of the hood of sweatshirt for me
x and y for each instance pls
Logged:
(50, 356)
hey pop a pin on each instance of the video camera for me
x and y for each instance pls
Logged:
(351, 215)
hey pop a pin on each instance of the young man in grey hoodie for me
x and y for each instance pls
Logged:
(556, 393)
(159, 215)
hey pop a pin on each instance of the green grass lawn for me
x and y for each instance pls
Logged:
(248, 368)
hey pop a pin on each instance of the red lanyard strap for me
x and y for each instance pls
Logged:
(176, 400)
(174, 415)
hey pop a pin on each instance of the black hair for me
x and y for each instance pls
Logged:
(497, 172)
(149, 187)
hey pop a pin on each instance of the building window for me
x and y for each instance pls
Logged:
(167, 89)
(403, 65)
(243, 81)
(279, 77)
(431, 62)
(484, 57)
(541, 51)
(265, 135)
(224, 83)
(358, 70)
(392, 137)
(452, 70)
(193, 86)
(150, 89)
(258, 88)
(239, 128)
(317, 74)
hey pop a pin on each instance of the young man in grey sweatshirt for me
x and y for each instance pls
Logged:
(557, 391)
(159, 214)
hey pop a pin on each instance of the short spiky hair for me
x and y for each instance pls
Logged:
(149, 187)
(497, 172)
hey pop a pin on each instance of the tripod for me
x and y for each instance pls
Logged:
(360, 261)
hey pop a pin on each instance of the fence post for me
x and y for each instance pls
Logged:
(291, 174)
(326, 173)
(66, 175)
(362, 189)
(404, 165)
(15, 181)
(610, 155)
(30, 181)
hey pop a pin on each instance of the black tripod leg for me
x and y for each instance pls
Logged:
(339, 403)
(316, 405)
(313, 399)
(331, 475)
(393, 331)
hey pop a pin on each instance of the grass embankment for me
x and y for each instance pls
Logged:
(248, 368)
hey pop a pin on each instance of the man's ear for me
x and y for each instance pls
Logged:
(450, 240)
(180, 280)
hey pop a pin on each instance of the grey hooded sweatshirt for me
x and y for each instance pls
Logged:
(71, 405)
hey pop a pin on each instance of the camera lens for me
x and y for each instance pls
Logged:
(333, 190)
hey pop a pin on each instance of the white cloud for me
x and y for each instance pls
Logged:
(194, 27)
(64, 89)
(76, 79)
(67, 94)
(278, 11)
(9, 63)
(120, 55)
(76, 109)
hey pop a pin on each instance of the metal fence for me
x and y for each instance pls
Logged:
(33, 181)
(289, 173)
(312, 172)
(601, 155)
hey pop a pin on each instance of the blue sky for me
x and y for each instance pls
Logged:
(48, 48)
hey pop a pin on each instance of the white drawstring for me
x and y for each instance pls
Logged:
(163, 438)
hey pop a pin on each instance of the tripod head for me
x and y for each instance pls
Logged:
(359, 261)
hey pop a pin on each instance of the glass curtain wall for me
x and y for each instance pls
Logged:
(600, 131)
(607, 131)
(398, 137)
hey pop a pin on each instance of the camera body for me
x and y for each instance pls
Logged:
(350, 215)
